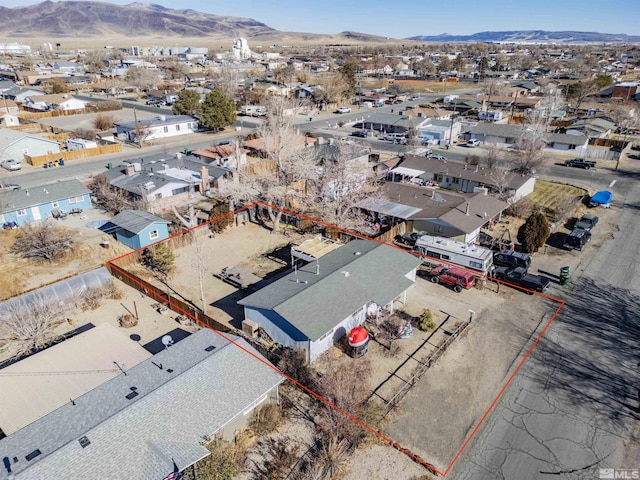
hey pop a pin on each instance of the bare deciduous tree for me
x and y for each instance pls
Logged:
(29, 322)
(114, 200)
(344, 180)
(43, 242)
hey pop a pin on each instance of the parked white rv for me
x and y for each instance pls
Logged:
(253, 110)
(446, 251)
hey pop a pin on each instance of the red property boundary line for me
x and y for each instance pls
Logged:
(311, 392)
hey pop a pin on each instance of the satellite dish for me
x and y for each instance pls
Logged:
(167, 341)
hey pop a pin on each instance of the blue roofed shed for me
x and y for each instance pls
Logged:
(137, 228)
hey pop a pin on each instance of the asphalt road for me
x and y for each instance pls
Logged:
(574, 406)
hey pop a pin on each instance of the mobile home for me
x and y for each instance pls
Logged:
(446, 251)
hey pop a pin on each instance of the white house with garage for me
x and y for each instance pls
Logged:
(162, 126)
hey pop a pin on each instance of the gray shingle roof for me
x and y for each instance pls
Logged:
(459, 170)
(135, 221)
(350, 277)
(565, 139)
(184, 393)
(28, 197)
(497, 130)
(159, 121)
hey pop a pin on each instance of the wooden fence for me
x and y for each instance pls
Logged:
(33, 114)
(73, 154)
(171, 301)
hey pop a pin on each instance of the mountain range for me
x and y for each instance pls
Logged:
(98, 20)
(89, 19)
(533, 36)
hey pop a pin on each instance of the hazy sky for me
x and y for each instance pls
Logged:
(405, 18)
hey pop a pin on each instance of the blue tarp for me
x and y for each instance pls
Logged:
(602, 197)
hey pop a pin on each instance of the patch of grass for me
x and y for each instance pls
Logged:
(547, 195)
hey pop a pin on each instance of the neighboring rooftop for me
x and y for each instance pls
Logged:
(137, 424)
(50, 192)
(37, 385)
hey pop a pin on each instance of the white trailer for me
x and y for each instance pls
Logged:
(445, 251)
(253, 110)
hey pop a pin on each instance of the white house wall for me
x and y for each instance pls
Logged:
(526, 189)
(31, 146)
(165, 191)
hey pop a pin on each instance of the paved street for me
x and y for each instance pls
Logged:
(574, 406)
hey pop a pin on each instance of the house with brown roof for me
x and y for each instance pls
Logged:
(458, 216)
(59, 101)
(222, 155)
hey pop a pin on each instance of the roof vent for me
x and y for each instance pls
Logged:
(33, 455)
(133, 393)
(357, 253)
(84, 441)
(345, 273)
(210, 348)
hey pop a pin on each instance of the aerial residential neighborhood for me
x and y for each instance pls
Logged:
(246, 250)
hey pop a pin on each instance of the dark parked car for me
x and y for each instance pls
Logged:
(509, 258)
(577, 239)
(579, 163)
(587, 222)
(359, 133)
(521, 277)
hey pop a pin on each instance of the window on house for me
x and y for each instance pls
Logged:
(166, 129)
(456, 181)
(438, 228)
(78, 199)
(22, 212)
(55, 204)
(153, 234)
(438, 178)
(177, 128)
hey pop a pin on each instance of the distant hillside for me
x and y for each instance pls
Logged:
(95, 19)
(533, 36)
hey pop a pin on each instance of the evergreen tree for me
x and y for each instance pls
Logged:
(348, 72)
(534, 232)
(160, 258)
(217, 111)
(188, 103)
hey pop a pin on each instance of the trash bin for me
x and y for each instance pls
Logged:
(109, 166)
(565, 275)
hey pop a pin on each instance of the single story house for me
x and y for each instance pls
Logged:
(458, 216)
(20, 94)
(592, 128)
(149, 421)
(496, 133)
(163, 126)
(577, 144)
(443, 131)
(222, 156)
(394, 123)
(137, 228)
(460, 177)
(58, 101)
(29, 205)
(320, 302)
(159, 176)
(15, 145)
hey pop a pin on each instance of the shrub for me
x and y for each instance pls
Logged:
(425, 321)
(103, 121)
(266, 419)
(127, 320)
(160, 258)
